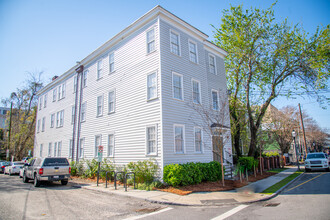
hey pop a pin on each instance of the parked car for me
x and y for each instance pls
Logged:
(47, 169)
(14, 168)
(26, 159)
(316, 161)
(3, 165)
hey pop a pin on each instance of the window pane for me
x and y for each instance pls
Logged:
(215, 100)
(177, 86)
(152, 82)
(198, 140)
(179, 139)
(196, 93)
(151, 139)
(174, 43)
(112, 62)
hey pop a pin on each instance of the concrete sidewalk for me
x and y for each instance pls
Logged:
(247, 194)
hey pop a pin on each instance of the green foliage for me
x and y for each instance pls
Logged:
(191, 173)
(247, 163)
(271, 154)
(91, 168)
(107, 166)
(145, 171)
(149, 186)
(77, 169)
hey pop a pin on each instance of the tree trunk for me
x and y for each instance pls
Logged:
(237, 136)
(253, 143)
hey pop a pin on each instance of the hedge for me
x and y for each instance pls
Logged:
(247, 163)
(191, 173)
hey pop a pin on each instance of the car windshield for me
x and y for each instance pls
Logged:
(56, 162)
(18, 163)
(312, 156)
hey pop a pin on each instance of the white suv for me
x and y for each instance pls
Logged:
(316, 161)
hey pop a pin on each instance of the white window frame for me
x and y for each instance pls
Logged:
(191, 52)
(148, 153)
(38, 125)
(199, 91)
(60, 119)
(96, 144)
(111, 145)
(75, 84)
(179, 43)
(40, 150)
(201, 141)
(99, 105)
(182, 93)
(112, 62)
(215, 64)
(43, 123)
(99, 69)
(70, 148)
(50, 149)
(154, 86)
(55, 149)
(40, 103)
(113, 101)
(151, 41)
(54, 94)
(52, 120)
(83, 112)
(59, 148)
(85, 78)
(59, 92)
(183, 139)
(63, 91)
(72, 114)
(81, 148)
(218, 106)
(45, 100)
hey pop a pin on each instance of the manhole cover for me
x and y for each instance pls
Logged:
(271, 204)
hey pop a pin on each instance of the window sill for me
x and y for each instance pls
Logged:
(110, 73)
(182, 100)
(99, 78)
(197, 64)
(152, 99)
(99, 116)
(198, 152)
(151, 52)
(152, 155)
(110, 113)
(176, 54)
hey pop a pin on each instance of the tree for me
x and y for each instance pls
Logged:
(24, 112)
(267, 60)
(214, 120)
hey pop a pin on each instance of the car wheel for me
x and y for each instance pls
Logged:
(64, 182)
(36, 182)
(25, 179)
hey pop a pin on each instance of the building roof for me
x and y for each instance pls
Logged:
(152, 14)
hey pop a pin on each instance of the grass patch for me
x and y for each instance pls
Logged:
(282, 183)
(277, 170)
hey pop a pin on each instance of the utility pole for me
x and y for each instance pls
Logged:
(10, 116)
(303, 128)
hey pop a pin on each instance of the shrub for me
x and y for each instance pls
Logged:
(271, 154)
(77, 169)
(106, 166)
(145, 171)
(91, 168)
(247, 163)
(191, 173)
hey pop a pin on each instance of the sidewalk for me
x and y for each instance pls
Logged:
(247, 194)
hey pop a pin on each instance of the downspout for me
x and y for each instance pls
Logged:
(80, 71)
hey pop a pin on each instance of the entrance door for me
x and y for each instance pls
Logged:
(217, 143)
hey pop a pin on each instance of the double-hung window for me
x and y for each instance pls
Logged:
(151, 140)
(45, 100)
(54, 95)
(81, 148)
(59, 148)
(112, 62)
(178, 138)
(151, 40)
(177, 86)
(111, 145)
(70, 148)
(60, 118)
(38, 126)
(175, 43)
(83, 112)
(99, 106)
(41, 146)
(61, 91)
(55, 149)
(198, 139)
(98, 142)
(152, 86)
(111, 101)
(52, 120)
(212, 64)
(85, 78)
(99, 69)
(196, 91)
(49, 149)
(40, 103)
(75, 84)
(215, 100)
(43, 124)
(192, 52)
(72, 114)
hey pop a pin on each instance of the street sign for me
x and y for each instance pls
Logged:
(99, 153)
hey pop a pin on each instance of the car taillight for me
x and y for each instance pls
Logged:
(3, 167)
(69, 169)
(41, 171)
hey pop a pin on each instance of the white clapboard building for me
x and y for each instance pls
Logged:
(134, 95)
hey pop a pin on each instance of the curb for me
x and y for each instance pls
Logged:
(77, 185)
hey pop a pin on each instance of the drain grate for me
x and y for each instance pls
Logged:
(271, 204)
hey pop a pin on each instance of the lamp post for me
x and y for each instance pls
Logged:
(294, 142)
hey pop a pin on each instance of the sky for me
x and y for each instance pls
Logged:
(52, 35)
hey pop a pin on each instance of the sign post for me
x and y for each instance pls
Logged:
(99, 160)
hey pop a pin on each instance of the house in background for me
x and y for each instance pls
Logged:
(3, 117)
(133, 96)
